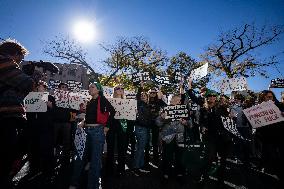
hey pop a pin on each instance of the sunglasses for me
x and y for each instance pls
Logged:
(119, 88)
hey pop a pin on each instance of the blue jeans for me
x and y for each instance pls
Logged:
(93, 150)
(142, 138)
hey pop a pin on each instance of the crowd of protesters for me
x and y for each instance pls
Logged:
(46, 135)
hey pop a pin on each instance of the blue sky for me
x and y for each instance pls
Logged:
(172, 25)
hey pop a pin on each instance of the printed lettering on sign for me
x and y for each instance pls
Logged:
(138, 77)
(162, 80)
(264, 114)
(74, 85)
(277, 83)
(176, 112)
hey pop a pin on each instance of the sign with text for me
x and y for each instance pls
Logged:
(138, 77)
(176, 112)
(108, 91)
(231, 126)
(233, 84)
(263, 114)
(200, 72)
(162, 80)
(277, 83)
(130, 94)
(53, 84)
(125, 108)
(67, 99)
(74, 85)
(36, 102)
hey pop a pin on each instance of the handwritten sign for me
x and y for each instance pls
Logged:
(36, 102)
(200, 72)
(162, 80)
(125, 108)
(130, 94)
(53, 84)
(176, 112)
(74, 85)
(108, 91)
(67, 99)
(85, 95)
(231, 126)
(138, 77)
(263, 114)
(277, 83)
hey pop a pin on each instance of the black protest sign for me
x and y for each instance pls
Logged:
(162, 80)
(74, 85)
(141, 76)
(176, 112)
(53, 84)
(277, 83)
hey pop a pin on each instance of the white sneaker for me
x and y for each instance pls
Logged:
(144, 171)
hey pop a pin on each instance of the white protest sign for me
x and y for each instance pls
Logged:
(75, 99)
(108, 91)
(61, 98)
(85, 95)
(200, 72)
(176, 112)
(130, 94)
(125, 108)
(263, 114)
(53, 84)
(233, 84)
(36, 102)
(74, 85)
(80, 141)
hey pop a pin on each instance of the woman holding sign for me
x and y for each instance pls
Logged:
(99, 112)
(117, 135)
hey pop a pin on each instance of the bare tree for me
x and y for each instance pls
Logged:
(234, 52)
(62, 47)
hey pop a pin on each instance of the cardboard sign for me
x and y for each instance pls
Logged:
(231, 126)
(80, 141)
(162, 80)
(67, 99)
(277, 83)
(176, 112)
(36, 102)
(74, 85)
(200, 72)
(125, 108)
(138, 77)
(263, 114)
(233, 84)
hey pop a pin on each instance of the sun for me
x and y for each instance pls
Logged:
(84, 31)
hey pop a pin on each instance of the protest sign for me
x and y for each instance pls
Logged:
(200, 72)
(85, 95)
(75, 99)
(263, 114)
(162, 80)
(130, 94)
(36, 102)
(74, 85)
(233, 84)
(53, 84)
(277, 83)
(138, 77)
(108, 91)
(176, 112)
(125, 108)
(61, 98)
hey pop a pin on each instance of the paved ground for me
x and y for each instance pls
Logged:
(236, 177)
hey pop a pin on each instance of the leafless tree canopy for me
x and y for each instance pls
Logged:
(233, 54)
(67, 49)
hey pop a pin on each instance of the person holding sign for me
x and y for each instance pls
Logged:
(271, 138)
(172, 136)
(117, 135)
(216, 138)
(99, 113)
(142, 125)
(14, 86)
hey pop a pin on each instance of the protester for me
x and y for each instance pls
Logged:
(142, 125)
(14, 86)
(117, 135)
(99, 113)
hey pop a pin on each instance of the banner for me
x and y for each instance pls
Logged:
(36, 102)
(80, 141)
(263, 114)
(176, 112)
(125, 108)
(277, 83)
(138, 77)
(200, 72)
(231, 126)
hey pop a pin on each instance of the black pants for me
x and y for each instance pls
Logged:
(155, 144)
(116, 136)
(14, 143)
(130, 138)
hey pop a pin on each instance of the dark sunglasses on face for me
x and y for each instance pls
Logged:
(119, 88)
